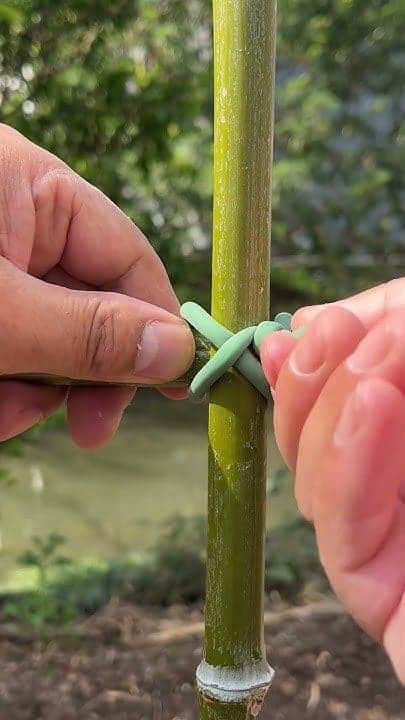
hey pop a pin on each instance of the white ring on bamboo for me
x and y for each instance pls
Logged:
(227, 684)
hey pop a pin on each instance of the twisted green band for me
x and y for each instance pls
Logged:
(233, 350)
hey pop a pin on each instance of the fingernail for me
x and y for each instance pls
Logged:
(351, 419)
(165, 350)
(309, 355)
(371, 352)
(306, 314)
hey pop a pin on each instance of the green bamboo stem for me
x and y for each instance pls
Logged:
(234, 676)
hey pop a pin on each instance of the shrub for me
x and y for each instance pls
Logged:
(173, 572)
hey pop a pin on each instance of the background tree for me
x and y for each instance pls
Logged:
(123, 92)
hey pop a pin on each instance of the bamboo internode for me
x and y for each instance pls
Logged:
(234, 675)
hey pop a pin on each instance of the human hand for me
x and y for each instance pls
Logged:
(84, 296)
(339, 419)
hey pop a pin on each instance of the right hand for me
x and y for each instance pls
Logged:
(340, 424)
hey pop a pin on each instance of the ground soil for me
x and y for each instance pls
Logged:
(130, 663)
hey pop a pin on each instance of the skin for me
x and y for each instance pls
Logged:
(340, 424)
(84, 295)
(87, 297)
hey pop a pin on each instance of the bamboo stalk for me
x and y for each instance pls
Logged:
(234, 676)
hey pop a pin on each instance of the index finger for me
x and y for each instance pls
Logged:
(94, 241)
(106, 249)
(370, 306)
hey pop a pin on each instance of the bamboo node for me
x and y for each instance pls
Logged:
(236, 685)
(239, 350)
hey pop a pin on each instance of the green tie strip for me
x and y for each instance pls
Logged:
(233, 350)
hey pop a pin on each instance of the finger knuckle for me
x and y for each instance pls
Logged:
(102, 346)
(55, 192)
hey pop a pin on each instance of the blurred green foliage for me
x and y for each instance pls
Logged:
(42, 609)
(341, 140)
(123, 93)
(172, 572)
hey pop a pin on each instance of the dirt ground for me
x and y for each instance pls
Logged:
(135, 664)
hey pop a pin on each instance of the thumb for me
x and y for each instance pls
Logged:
(87, 335)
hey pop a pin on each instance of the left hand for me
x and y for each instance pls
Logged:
(83, 295)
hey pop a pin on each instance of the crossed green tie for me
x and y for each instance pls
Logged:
(239, 350)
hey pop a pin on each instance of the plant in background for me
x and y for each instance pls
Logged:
(10, 448)
(176, 571)
(293, 570)
(41, 609)
(142, 72)
(173, 571)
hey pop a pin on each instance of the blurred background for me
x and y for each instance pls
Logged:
(123, 93)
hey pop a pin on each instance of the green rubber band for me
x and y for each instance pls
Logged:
(264, 329)
(232, 349)
(284, 318)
